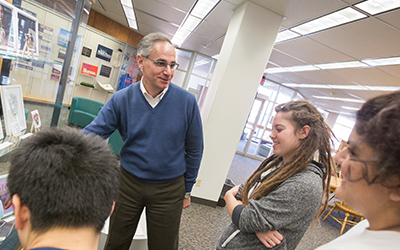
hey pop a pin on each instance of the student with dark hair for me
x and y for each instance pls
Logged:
(289, 189)
(371, 176)
(63, 185)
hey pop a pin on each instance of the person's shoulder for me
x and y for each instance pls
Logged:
(181, 91)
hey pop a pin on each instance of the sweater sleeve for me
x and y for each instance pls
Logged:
(106, 122)
(294, 203)
(193, 147)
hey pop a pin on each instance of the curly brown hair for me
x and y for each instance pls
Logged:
(319, 139)
(378, 123)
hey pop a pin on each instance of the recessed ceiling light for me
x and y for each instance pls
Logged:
(350, 108)
(374, 7)
(285, 35)
(127, 3)
(341, 65)
(201, 9)
(382, 61)
(328, 21)
(339, 99)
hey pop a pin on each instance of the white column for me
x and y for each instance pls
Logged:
(244, 55)
(331, 119)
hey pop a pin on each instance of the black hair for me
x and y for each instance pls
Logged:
(67, 179)
(378, 123)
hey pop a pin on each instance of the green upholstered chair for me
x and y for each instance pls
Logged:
(115, 142)
(83, 111)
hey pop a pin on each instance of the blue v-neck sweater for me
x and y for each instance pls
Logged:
(161, 143)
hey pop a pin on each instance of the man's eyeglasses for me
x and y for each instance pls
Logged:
(163, 64)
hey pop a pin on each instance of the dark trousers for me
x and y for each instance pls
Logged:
(163, 202)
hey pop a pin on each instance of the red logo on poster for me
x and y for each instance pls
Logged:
(89, 70)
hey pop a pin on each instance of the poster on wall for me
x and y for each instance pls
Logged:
(63, 39)
(4, 193)
(133, 69)
(27, 34)
(88, 69)
(105, 71)
(86, 51)
(13, 106)
(104, 53)
(6, 26)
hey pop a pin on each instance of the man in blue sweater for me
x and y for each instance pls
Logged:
(163, 144)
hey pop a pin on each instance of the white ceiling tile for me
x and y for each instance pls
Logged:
(177, 4)
(284, 60)
(222, 14)
(160, 10)
(156, 23)
(311, 52)
(391, 18)
(367, 38)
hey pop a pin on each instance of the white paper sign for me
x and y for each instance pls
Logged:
(15, 128)
(36, 118)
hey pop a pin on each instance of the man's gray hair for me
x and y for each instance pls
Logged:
(147, 42)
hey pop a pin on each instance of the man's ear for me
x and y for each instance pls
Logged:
(21, 213)
(304, 131)
(139, 60)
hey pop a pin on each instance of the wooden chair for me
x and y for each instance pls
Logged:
(343, 207)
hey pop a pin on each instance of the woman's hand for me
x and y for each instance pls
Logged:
(231, 201)
(270, 238)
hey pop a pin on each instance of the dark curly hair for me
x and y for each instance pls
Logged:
(378, 125)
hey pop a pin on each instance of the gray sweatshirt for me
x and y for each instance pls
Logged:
(290, 209)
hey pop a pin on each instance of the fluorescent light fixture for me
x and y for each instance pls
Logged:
(129, 13)
(377, 6)
(302, 68)
(331, 20)
(132, 23)
(191, 23)
(382, 61)
(215, 56)
(275, 70)
(127, 3)
(383, 88)
(339, 99)
(286, 35)
(307, 86)
(341, 65)
(201, 9)
(350, 108)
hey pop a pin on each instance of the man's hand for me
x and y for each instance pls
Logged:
(186, 202)
(270, 238)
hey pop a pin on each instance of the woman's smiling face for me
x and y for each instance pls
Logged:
(284, 135)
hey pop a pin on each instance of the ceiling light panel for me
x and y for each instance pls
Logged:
(339, 99)
(203, 7)
(382, 61)
(195, 17)
(377, 6)
(341, 65)
(286, 35)
(334, 19)
(127, 3)
(127, 6)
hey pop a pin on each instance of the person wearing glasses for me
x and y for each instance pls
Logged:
(371, 176)
(160, 125)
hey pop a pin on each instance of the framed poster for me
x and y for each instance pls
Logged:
(36, 119)
(4, 193)
(13, 106)
(86, 51)
(104, 53)
(27, 34)
(105, 71)
(7, 22)
(88, 69)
